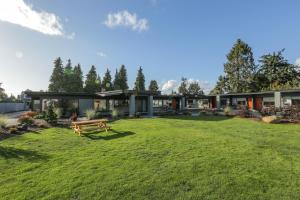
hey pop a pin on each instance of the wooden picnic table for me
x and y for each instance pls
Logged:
(100, 123)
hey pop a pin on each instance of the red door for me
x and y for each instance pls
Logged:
(213, 102)
(174, 104)
(250, 103)
(258, 103)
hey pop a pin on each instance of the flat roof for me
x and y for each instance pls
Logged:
(261, 92)
(127, 93)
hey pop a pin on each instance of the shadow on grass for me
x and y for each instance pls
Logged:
(29, 155)
(115, 135)
(198, 118)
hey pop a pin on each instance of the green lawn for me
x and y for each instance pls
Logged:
(161, 158)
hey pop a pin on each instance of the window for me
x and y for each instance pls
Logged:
(268, 103)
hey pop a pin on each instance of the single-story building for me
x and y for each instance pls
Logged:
(126, 102)
(129, 102)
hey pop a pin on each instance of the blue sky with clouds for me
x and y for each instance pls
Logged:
(168, 38)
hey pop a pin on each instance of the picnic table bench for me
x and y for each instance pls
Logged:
(78, 125)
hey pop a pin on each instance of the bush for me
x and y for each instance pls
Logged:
(30, 114)
(90, 114)
(3, 121)
(115, 113)
(41, 115)
(227, 110)
(50, 116)
(25, 120)
(58, 112)
(12, 130)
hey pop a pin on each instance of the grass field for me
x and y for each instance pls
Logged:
(160, 158)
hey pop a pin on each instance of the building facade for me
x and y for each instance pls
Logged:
(130, 103)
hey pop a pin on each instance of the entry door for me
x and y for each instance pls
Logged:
(250, 103)
(258, 103)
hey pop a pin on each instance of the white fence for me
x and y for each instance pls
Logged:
(12, 107)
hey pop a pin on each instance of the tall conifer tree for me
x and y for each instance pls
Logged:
(57, 77)
(91, 81)
(240, 68)
(123, 78)
(106, 81)
(140, 81)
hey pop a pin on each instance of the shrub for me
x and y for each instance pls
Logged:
(3, 121)
(41, 115)
(58, 112)
(12, 130)
(90, 114)
(50, 116)
(115, 113)
(25, 120)
(227, 110)
(30, 114)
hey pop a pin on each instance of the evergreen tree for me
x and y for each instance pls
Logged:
(123, 78)
(91, 81)
(117, 85)
(57, 77)
(240, 68)
(219, 87)
(77, 79)
(98, 81)
(68, 81)
(277, 73)
(106, 82)
(140, 81)
(194, 89)
(183, 88)
(3, 95)
(153, 87)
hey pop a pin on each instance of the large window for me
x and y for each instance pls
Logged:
(100, 104)
(157, 103)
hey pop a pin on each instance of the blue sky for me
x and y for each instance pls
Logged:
(168, 38)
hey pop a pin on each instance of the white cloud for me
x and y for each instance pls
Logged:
(101, 54)
(19, 54)
(172, 85)
(19, 13)
(297, 62)
(169, 86)
(126, 19)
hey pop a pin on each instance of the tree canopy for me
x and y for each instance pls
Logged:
(123, 78)
(57, 77)
(194, 88)
(107, 82)
(153, 86)
(140, 81)
(91, 82)
(3, 95)
(183, 88)
(240, 68)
